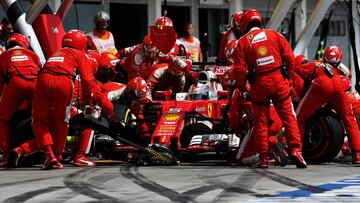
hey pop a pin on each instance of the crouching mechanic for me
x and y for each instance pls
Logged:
(263, 53)
(141, 60)
(101, 64)
(170, 71)
(327, 82)
(53, 95)
(19, 67)
(135, 92)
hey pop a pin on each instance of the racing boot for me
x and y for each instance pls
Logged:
(15, 155)
(263, 161)
(356, 157)
(81, 160)
(58, 165)
(297, 158)
(50, 159)
(58, 157)
(4, 160)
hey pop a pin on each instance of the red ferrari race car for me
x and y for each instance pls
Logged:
(196, 126)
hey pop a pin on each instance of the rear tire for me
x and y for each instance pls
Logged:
(323, 137)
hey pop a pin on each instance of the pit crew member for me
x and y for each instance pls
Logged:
(263, 53)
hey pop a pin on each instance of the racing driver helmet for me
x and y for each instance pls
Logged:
(199, 91)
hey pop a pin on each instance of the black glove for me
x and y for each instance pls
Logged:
(285, 72)
(6, 77)
(251, 77)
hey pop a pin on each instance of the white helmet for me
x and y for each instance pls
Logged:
(199, 91)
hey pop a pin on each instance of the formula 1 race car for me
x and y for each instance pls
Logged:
(193, 126)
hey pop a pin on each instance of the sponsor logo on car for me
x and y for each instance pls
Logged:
(166, 131)
(164, 134)
(200, 109)
(172, 117)
(168, 128)
(174, 110)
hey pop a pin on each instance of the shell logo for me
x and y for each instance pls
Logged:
(262, 51)
(18, 52)
(172, 117)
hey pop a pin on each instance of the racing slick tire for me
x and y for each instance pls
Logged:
(20, 131)
(323, 137)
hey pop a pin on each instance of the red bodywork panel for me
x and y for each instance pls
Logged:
(50, 31)
(172, 121)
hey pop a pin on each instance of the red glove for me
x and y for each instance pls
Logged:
(120, 53)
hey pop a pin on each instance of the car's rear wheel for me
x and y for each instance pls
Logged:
(323, 137)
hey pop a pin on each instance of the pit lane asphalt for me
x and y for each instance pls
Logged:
(197, 182)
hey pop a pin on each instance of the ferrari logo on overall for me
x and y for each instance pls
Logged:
(209, 109)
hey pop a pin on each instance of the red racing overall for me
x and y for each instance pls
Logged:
(21, 65)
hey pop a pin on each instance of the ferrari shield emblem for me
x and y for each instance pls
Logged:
(209, 110)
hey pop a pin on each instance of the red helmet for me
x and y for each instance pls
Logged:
(333, 55)
(75, 39)
(94, 58)
(108, 60)
(19, 39)
(137, 88)
(236, 18)
(94, 55)
(301, 59)
(179, 50)
(149, 49)
(229, 51)
(162, 22)
(229, 78)
(249, 16)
